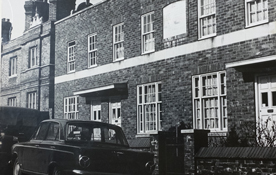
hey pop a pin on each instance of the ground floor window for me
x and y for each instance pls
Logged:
(149, 108)
(71, 107)
(12, 101)
(32, 100)
(209, 101)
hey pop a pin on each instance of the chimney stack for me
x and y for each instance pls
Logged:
(6, 30)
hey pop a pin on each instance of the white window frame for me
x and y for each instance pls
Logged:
(12, 101)
(33, 59)
(118, 42)
(210, 101)
(13, 66)
(263, 12)
(32, 100)
(206, 18)
(149, 99)
(71, 60)
(71, 105)
(96, 112)
(147, 30)
(92, 50)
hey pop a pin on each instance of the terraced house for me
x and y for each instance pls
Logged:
(146, 65)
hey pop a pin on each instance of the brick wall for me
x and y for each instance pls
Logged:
(40, 78)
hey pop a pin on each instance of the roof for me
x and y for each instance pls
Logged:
(236, 153)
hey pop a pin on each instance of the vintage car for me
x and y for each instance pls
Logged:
(61, 146)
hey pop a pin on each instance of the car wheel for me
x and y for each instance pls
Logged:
(56, 171)
(16, 168)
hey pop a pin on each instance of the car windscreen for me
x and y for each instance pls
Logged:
(95, 133)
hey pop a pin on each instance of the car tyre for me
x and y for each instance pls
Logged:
(56, 171)
(16, 168)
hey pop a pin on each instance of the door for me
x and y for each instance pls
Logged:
(267, 100)
(116, 113)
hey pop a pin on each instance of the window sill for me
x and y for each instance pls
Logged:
(217, 134)
(148, 52)
(71, 72)
(89, 67)
(146, 134)
(208, 36)
(117, 60)
(13, 76)
(256, 24)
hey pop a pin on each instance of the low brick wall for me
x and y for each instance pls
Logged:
(238, 160)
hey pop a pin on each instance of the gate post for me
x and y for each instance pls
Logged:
(194, 139)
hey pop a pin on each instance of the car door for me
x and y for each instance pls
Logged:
(32, 151)
(48, 147)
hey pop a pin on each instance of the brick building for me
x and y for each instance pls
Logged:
(27, 62)
(146, 65)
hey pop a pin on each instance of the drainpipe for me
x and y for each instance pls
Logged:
(39, 72)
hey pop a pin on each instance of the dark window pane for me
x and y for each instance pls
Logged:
(264, 99)
(274, 98)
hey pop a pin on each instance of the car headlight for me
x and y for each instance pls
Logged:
(2, 134)
(84, 161)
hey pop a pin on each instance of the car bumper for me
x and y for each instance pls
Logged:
(82, 172)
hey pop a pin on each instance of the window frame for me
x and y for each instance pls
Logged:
(32, 100)
(247, 15)
(120, 42)
(94, 50)
(147, 33)
(12, 101)
(201, 17)
(98, 109)
(214, 101)
(13, 66)
(67, 106)
(71, 56)
(142, 104)
(33, 58)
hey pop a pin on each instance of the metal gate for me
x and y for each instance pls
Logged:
(171, 153)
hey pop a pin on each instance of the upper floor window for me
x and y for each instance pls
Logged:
(209, 101)
(149, 108)
(71, 57)
(71, 107)
(32, 100)
(147, 33)
(118, 42)
(12, 101)
(33, 59)
(92, 50)
(207, 18)
(13, 66)
(256, 12)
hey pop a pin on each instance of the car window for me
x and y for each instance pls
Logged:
(53, 132)
(95, 133)
(41, 132)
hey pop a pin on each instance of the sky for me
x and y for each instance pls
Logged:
(14, 10)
